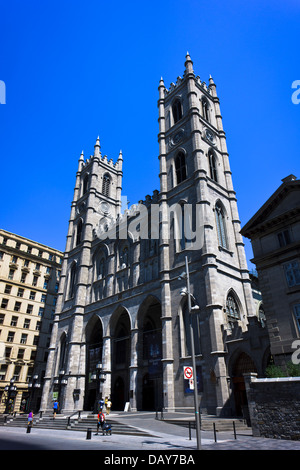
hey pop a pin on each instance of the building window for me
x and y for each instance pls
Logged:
(17, 306)
(20, 292)
(45, 286)
(297, 316)
(106, 185)
(177, 111)
(2, 318)
(4, 303)
(10, 337)
(220, 219)
(85, 184)
(11, 274)
(35, 281)
(79, 232)
(205, 109)
(232, 310)
(24, 338)
(26, 324)
(7, 289)
(180, 167)
(41, 311)
(72, 281)
(14, 321)
(29, 308)
(21, 353)
(124, 255)
(32, 295)
(213, 166)
(284, 238)
(292, 273)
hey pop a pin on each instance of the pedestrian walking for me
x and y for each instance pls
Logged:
(100, 421)
(55, 408)
(108, 406)
(30, 419)
(101, 404)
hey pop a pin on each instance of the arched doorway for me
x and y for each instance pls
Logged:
(243, 364)
(120, 359)
(94, 345)
(150, 382)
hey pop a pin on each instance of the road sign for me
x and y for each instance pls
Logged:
(191, 384)
(188, 372)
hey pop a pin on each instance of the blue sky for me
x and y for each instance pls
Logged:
(74, 70)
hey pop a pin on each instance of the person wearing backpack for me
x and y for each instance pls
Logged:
(100, 421)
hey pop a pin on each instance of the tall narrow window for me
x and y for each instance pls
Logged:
(213, 166)
(85, 184)
(106, 185)
(72, 280)
(220, 219)
(79, 232)
(232, 310)
(205, 109)
(177, 111)
(180, 167)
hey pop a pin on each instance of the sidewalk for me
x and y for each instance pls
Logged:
(162, 436)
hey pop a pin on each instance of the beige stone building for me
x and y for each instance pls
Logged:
(274, 231)
(29, 279)
(121, 328)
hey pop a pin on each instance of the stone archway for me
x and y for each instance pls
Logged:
(150, 382)
(243, 364)
(94, 346)
(121, 357)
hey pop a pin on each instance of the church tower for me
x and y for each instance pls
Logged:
(96, 205)
(196, 185)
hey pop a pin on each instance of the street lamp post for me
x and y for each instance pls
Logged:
(100, 378)
(32, 386)
(11, 390)
(192, 310)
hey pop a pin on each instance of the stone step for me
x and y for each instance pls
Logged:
(81, 424)
(225, 424)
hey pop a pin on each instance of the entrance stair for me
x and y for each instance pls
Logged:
(74, 424)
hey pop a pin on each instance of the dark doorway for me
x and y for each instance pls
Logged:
(118, 395)
(244, 364)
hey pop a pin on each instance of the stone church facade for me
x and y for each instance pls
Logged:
(122, 321)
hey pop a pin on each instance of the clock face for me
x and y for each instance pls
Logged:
(104, 207)
(210, 136)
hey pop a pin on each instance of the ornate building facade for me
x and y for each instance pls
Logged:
(122, 321)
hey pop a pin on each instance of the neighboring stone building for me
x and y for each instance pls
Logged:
(120, 309)
(29, 278)
(274, 232)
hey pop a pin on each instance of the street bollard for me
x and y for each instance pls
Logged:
(234, 431)
(28, 429)
(190, 433)
(89, 433)
(215, 432)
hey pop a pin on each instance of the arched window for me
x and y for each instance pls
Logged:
(100, 269)
(124, 257)
(63, 352)
(72, 280)
(177, 111)
(180, 167)
(106, 185)
(220, 219)
(79, 232)
(213, 166)
(232, 310)
(205, 109)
